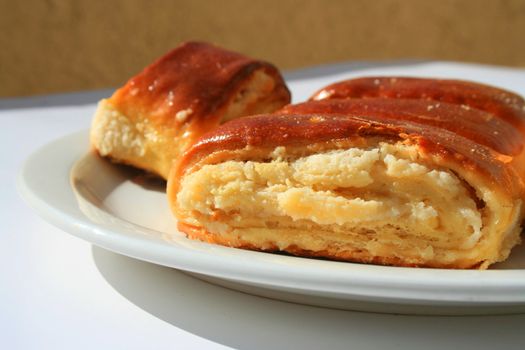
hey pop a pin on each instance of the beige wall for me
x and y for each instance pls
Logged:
(54, 46)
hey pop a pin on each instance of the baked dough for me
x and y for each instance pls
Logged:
(160, 112)
(395, 182)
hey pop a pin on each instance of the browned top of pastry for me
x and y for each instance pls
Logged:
(499, 102)
(476, 125)
(298, 130)
(195, 77)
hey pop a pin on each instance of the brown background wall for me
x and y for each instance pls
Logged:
(54, 46)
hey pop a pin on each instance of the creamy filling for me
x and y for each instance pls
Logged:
(113, 132)
(380, 190)
(253, 97)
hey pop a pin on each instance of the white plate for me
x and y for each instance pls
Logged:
(111, 207)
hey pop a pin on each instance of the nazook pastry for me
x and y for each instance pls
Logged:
(160, 112)
(388, 181)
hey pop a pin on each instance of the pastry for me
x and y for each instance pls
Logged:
(386, 181)
(160, 112)
(504, 104)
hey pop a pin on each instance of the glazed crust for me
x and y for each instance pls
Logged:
(290, 128)
(502, 103)
(473, 124)
(195, 75)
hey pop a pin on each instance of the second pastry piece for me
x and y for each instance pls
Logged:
(413, 186)
(159, 113)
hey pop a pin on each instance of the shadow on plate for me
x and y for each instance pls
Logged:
(243, 321)
(91, 165)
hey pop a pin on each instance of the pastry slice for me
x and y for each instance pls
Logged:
(502, 103)
(367, 181)
(160, 112)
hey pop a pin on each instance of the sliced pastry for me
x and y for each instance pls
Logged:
(396, 182)
(191, 90)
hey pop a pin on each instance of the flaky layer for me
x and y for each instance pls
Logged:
(378, 203)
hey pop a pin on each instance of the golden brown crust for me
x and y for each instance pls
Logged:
(501, 103)
(300, 130)
(476, 125)
(196, 76)
(504, 141)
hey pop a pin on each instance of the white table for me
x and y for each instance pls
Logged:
(59, 292)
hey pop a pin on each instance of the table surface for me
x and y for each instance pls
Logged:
(59, 292)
